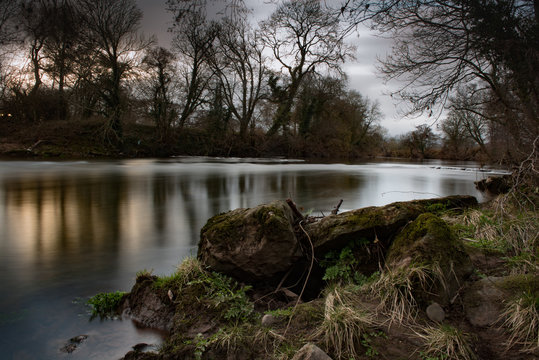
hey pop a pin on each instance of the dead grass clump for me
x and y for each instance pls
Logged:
(343, 326)
(521, 317)
(446, 342)
(398, 287)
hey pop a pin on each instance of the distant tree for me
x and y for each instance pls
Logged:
(239, 63)
(193, 42)
(304, 37)
(419, 141)
(35, 22)
(8, 22)
(62, 40)
(112, 37)
(160, 65)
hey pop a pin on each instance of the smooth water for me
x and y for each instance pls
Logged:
(69, 230)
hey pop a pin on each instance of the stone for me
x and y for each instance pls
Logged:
(428, 241)
(375, 223)
(435, 312)
(73, 344)
(148, 307)
(311, 352)
(268, 320)
(495, 184)
(251, 245)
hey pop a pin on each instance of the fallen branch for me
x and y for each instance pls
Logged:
(336, 210)
(295, 209)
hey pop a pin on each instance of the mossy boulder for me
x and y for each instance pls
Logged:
(429, 242)
(147, 307)
(251, 245)
(333, 232)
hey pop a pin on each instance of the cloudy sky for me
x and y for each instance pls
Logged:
(361, 72)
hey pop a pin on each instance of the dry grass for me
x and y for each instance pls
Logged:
(510, 231)
(397, 287)
(447, 342)
(343, 325)
(521, 317)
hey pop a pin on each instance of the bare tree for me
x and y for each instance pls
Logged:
(62, 40)
(112, 37)
(8, 27)
(304, 37)
(194, 37)
(440, 45)
(160, 89)
(241, 69)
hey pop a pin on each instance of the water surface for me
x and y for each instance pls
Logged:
(69, 230)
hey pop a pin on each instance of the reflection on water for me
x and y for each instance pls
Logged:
(70, 230)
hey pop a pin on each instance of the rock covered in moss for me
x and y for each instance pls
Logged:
(148, 307)
(382, 223)
(253, 244)
(429, 242)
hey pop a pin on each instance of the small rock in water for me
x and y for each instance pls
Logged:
(73, 343)
(435, 312)
(140, 346)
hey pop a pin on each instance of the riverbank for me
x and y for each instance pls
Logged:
(408, 306)
(84, 139)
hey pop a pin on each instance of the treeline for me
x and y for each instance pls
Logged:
(227, 86)
(216, 91)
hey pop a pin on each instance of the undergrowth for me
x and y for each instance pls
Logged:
(105, 305)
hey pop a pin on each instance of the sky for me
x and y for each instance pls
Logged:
(362, 73)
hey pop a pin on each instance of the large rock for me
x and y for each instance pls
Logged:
(484, 302)
(382, 223)
(428, 241)
(250, 244)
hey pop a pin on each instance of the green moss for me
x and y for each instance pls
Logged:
(522, 283)
(105, 304)
(440, 245)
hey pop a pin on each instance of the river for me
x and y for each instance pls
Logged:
(69, 230)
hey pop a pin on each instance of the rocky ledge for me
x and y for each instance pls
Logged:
(389, 282)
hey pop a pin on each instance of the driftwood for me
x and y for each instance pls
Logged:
(295, 210)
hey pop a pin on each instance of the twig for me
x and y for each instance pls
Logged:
(336, 210)
(295, 209)
(306, 280)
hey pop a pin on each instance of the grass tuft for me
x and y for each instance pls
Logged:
(522, 319)
(446, 342)
(397, 289)
(344, 326)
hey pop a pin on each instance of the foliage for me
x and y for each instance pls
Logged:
(105, 304)
(341, 265)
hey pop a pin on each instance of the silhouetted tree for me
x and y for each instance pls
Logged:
(304, 37)
(240, 65)
(441, 45)
(112, 37)
(160, 89)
